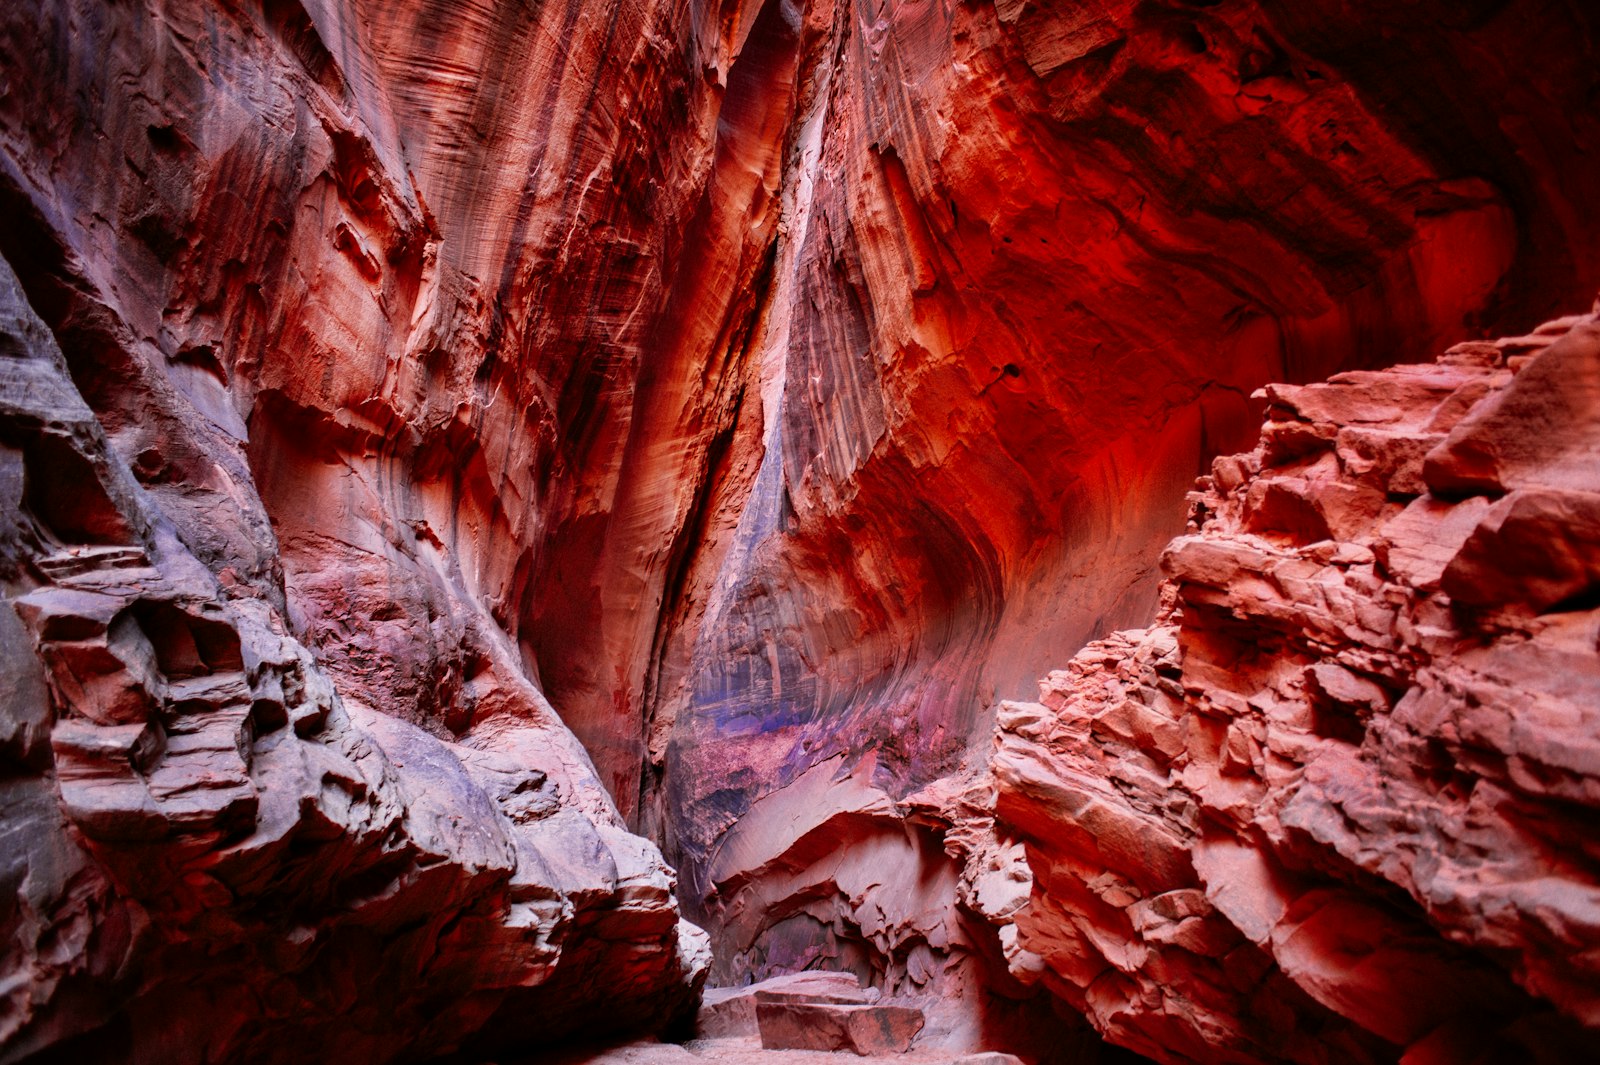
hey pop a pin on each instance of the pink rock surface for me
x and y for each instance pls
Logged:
(218, 858)
(691, 417)
(861, 1029)
(1334, 804)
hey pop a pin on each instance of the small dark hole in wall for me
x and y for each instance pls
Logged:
(163, 138)
(1011, 369)
(267, 716)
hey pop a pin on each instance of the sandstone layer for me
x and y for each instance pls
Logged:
(214, 858)
(1025, 295)
(1033, 259)
(732, 386)
(1337, 804)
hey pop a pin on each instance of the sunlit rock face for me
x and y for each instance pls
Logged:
(757, 392)
(1035, 259)
(1334, 805)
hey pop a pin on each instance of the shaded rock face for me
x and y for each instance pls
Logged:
(735, 385)
(1335, 804)
(215, 858)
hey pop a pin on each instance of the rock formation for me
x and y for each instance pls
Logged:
(1036, 286)
(216, 858)
(1337, 803)
(518, 423)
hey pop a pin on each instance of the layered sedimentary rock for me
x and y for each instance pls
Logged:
(1036, 257)
(738, 385)
(244, 660)
(426, 278)
(387, 312)
(216, 858)
(1337, 803)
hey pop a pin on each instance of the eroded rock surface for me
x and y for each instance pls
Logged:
(738, 384)
(215, 858)
(1337, 803)
(1033, 260)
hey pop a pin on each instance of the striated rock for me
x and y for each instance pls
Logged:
(1332, 806)
(1034, 258)
(733, 387)
(217, 858)
(342, 360)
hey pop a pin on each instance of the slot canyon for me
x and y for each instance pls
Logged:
(649, 532)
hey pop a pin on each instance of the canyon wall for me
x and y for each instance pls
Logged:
(695, 417)
(1036, 259)
(1336, 803)
(339, 351)
(216, 858)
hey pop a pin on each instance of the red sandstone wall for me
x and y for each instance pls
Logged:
(1037, 259)
(763, 390)
(1335, 805)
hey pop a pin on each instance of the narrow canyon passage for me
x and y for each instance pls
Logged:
(517, 514)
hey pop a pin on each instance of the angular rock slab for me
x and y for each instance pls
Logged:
(730, 1012)
(1337, 773)
(831, 1026)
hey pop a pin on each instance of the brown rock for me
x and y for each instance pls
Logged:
(727, 1012)
(865, 1029)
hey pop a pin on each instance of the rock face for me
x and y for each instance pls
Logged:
(1034, 258)
(1336, 804)
(215, 858)
(731, 386)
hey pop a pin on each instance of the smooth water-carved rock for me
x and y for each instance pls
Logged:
(1333, 805)
(219, 859)
(765, 390)
(1035, 259)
